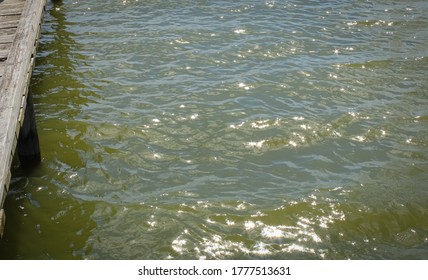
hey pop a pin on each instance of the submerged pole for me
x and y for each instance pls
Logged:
(28, 141)
(2, 222)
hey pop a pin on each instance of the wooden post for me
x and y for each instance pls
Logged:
(2, 222)
(28, 141)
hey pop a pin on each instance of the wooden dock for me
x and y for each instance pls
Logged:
(20, 24)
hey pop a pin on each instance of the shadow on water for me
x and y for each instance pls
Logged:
(35, 227)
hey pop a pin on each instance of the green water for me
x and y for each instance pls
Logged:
(227, 130)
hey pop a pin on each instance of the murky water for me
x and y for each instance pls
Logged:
(227, 129)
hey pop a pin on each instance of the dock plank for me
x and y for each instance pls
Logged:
(7, 38)
(12, 1)
(1, 70)
(4, 51)
(11, 9)
(7, 35)
(10, 21)
(3, 54)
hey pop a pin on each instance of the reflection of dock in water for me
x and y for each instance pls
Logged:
(20, 22)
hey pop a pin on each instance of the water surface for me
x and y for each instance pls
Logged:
(227, 130)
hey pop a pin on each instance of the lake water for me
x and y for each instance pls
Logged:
(227, 130)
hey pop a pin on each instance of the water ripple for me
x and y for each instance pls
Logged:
(201, 130)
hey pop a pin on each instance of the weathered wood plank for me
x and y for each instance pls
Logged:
(11, 9)
(5, 46)
(1, 69)
(8, 17)
(7, 38)
(3, 54)
(4, 51)
(12, 1)
(7, 31)
(9, 22)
